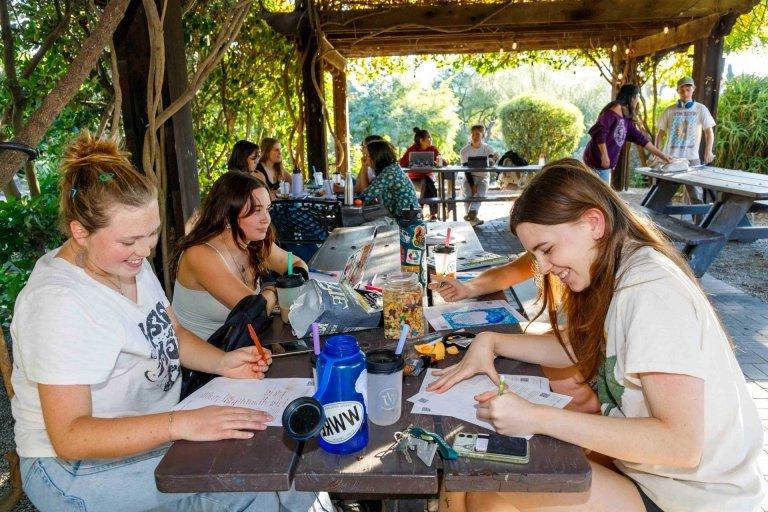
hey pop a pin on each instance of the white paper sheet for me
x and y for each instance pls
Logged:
(459, 402)
(268, 395)
(458, 315)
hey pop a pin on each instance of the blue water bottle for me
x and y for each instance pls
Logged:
(337, 412)
(342, 391)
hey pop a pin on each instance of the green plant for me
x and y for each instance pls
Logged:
(742, 134)
(29, 231)
(538, 125)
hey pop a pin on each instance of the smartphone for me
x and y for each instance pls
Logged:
(495, 447)
(289, 348)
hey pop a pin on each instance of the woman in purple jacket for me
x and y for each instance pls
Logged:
(613, 127)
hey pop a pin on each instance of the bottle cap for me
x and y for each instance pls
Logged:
(383, 361)
(303, 418)
(444, 249)
(289, 281)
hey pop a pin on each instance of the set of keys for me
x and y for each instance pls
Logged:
(424, 443)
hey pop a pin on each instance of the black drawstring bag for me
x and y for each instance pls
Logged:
(230, 336)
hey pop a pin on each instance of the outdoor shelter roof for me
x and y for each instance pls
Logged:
(361, 28)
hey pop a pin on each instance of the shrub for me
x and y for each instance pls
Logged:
(742, 134)
(533, 125)
(29, 231)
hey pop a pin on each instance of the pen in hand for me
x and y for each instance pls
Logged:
(502, 385)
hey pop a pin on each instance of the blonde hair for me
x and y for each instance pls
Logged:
(96, 175)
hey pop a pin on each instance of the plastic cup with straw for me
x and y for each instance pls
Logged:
(445, 259)
(288, 287)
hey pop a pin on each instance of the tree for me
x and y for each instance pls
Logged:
(71, 79)
(540, 126)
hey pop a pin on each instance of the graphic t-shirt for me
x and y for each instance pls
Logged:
(70, 329)
(683, 127)
(484, 150)
(660, 321)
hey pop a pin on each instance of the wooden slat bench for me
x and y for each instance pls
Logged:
(679, 230)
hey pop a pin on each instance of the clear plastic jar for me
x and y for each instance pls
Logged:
(403, 303)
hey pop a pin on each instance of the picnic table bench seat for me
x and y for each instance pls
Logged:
(678, 229)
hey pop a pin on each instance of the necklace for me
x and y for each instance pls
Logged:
(239, 268)
(81, 261)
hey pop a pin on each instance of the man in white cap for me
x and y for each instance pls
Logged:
(682, 124)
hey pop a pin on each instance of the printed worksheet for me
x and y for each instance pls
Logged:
(459, 402)
(268, 395)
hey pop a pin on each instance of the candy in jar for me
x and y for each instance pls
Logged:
(403, 304)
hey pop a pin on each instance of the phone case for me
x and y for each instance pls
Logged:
(466, 446)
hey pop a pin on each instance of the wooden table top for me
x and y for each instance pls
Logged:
(453, 169)
(271, 461)
(731, 181)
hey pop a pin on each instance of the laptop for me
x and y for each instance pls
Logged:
(477, 162)
(421, 159)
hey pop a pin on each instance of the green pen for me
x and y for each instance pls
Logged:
(502, 385)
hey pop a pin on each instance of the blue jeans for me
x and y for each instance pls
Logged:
(605, 175)
(128, 484)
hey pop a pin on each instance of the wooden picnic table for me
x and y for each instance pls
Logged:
(448, 174)
(271, 461)
(736, 193)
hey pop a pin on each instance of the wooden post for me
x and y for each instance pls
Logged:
(132, 48)
(708, 64)
(341, 119)
(311, 72)
(621, 177)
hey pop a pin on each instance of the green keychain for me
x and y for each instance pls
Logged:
(445, 450)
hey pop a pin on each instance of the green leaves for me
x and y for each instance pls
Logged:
(741, 140)
(29, 231)
(536, 125)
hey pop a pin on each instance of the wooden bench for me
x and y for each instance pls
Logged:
(450, 200)
(679, 230)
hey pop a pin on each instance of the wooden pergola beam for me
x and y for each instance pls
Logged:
(686, 33)
(331, 56)
(570, 13)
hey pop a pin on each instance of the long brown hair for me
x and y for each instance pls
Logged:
(267, 143)
(563, 191)
(96, 175)
(230, 199)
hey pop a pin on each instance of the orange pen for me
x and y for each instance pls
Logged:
(256, 342)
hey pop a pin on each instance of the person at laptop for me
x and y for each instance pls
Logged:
(476, 182)
(390, 186)
(422, 142)
(224, 257)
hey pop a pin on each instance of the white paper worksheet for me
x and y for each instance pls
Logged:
(268, 395)
(459, 402)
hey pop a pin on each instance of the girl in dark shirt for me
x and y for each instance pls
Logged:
(613, 127)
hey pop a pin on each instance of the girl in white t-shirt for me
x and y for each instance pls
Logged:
(678, 423)
(97, 356)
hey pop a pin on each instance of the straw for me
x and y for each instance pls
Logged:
(290, 263)
(448, 237)
(401, 343)
(316, 337)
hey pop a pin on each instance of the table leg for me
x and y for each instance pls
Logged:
(441, 194)
(722, 218)
(660, 195)
(453, 194)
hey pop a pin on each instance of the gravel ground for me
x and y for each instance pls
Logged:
(743, 265)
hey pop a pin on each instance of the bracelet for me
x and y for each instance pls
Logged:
(170, 425)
